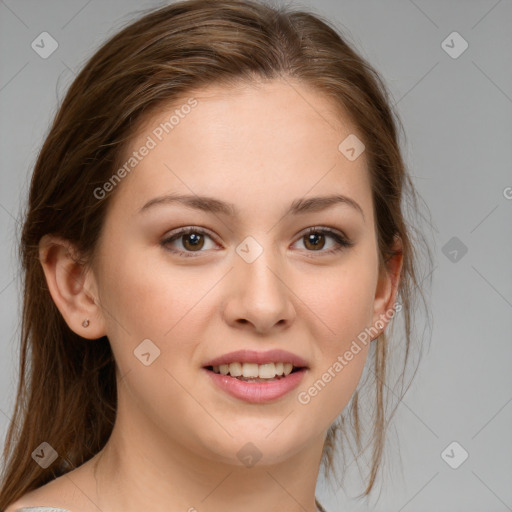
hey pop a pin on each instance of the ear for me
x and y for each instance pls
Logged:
(386, 290)
(72, 287)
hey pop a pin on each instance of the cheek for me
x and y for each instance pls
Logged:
(331, 389)
(148, 302)
(342, 304)
(165, 304)
(341, 300)
(148, 297)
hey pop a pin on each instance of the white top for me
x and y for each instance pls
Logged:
(55, 509)
(41, 509)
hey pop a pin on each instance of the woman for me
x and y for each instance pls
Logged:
(213, 248)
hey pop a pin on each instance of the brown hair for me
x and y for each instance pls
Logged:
(66, 394)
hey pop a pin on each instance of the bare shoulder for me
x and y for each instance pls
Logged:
(53, 495)
(67, 493)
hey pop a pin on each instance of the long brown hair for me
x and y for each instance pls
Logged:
(66, 394)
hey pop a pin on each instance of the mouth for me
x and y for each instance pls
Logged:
(256, 383)
(255, 376)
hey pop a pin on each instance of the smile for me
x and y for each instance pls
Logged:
(256, 389)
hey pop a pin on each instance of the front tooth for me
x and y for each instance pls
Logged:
(287, 368)
(267, 371)
(279, 368)
(235, 369)
(224, 369)
(250, 370)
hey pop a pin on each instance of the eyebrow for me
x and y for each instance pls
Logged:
(212, 205)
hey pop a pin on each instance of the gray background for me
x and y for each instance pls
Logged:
(457, 115)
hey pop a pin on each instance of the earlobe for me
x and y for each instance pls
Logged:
(387, 288)
(72, 288)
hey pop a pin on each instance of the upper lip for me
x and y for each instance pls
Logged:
(258, 357)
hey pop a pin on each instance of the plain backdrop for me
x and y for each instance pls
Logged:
(456, 105)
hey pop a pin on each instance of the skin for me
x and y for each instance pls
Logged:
(175, 442)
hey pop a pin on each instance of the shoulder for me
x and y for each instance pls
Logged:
(59, 495)
(33, 501)
(38, 509)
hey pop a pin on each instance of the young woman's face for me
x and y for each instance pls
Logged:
(247, 163)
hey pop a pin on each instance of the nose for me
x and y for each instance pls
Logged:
(258, 296)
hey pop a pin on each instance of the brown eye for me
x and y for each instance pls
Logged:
(193, 240)
(316, 238)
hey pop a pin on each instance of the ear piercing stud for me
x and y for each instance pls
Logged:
(85, 323)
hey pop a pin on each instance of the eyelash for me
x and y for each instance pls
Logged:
(341, 242)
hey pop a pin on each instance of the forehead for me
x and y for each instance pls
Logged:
(248, 143)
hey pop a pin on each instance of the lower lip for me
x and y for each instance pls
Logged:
(257, 392)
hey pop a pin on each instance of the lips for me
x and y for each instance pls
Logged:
(258, 357)
(256, 390)
(262, 392)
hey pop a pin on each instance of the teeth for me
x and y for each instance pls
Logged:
(250, 370)
(287, 368)
(267, 371)
(253, 370)
(235, 369)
